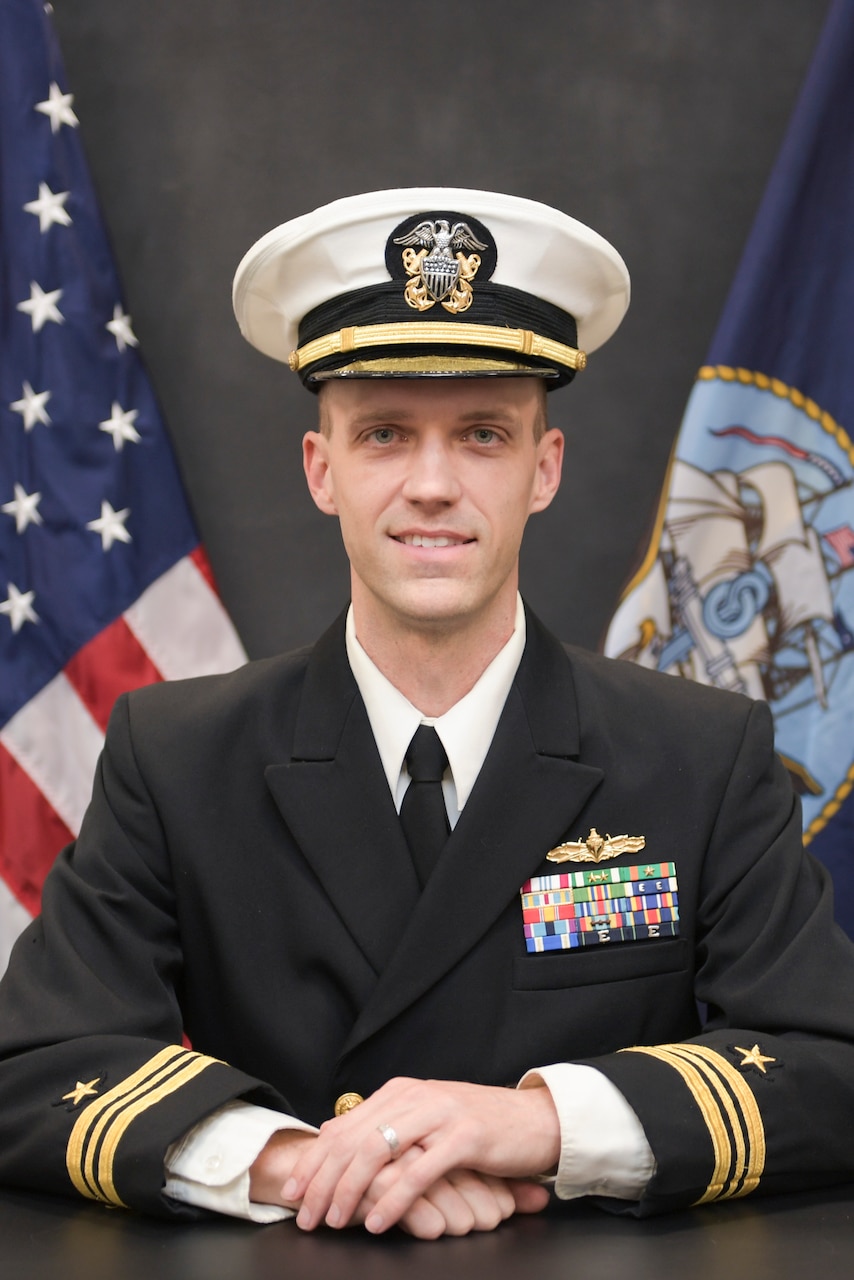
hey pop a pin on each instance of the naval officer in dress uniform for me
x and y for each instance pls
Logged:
(381, 882)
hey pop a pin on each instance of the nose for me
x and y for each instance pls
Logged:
(431, 478)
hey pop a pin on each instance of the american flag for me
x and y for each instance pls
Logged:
(103, 583)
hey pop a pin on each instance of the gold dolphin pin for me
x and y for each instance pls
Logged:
(595, 848)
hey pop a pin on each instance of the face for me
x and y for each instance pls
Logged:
(433, 482)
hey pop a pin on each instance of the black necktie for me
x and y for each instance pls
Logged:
(423, 815)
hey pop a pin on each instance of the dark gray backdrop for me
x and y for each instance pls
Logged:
(209, 121)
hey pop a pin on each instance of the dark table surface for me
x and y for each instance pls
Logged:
(809, 1235)
(780, 1237)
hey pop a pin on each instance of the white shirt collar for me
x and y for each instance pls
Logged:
(466, 730)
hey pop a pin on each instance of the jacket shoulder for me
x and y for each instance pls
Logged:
(200, 710)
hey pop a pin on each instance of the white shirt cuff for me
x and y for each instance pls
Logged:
(603, 1147)
(209, 1166)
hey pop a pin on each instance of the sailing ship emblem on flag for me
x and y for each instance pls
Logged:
(747, 581)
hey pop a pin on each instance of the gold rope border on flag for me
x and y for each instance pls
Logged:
(832, 807)
(753, 378)
(710, 372)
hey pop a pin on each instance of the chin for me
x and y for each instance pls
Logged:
(437, 607)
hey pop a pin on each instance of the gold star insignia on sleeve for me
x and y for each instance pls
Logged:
(753, 1058)
(82, 1091)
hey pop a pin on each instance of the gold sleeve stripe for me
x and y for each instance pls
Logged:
(80, 1133)
(107, 1154)
(721, 1145)
(107, 1117)
(719, 1190)
(99, 1128)
(730, 1112)
(356, 338)
(750, 1112)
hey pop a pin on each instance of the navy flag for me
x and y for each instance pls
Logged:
(748, 582)
(103, 583)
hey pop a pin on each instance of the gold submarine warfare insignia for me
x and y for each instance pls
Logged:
(595, 848)
(438, 275)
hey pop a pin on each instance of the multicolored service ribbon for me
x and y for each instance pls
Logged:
(604, 904)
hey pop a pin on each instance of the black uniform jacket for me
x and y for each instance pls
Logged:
(242, 882)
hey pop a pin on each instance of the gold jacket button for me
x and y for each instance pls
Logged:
(347, 1102)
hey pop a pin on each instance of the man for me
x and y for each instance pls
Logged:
(438, 854)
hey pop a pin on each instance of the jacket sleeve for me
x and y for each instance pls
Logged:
(96, 1078)
(763, 1099)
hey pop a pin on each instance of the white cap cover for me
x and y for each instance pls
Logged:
(431, 280)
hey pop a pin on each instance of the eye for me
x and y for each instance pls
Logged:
(483, 435)
(383, 435)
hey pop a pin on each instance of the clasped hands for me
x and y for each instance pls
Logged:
(463, 1162)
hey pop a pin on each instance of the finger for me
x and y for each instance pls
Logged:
(504, 1197)
(342, 1182)
(330, 1136)
(316, 1174)
(423, 1219)
(529, 1197)
(410, 1181)
(467, 1202)
(351, 1145)
(456, 1212)
(488, 1198)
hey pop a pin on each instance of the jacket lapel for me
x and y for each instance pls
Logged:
(528, 794)
(334, 797)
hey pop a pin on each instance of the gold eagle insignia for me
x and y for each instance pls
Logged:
(438, 274)
(595, 848)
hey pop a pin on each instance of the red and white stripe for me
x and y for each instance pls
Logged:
(49, 749)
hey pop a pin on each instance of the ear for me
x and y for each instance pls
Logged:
(549, 467)
(315, 464)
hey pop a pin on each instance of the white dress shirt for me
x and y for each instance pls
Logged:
(604, 1149)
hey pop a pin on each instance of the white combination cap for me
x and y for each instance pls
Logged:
(431, 282)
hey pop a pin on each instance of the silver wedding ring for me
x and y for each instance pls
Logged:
(391, 1138)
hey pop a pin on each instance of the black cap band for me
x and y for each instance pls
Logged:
(493, 307)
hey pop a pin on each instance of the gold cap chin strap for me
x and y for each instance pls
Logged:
(429, 332)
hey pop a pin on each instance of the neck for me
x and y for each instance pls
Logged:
(435, 665)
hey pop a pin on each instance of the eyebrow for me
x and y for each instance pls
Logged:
(391, 414)
(493, 413)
